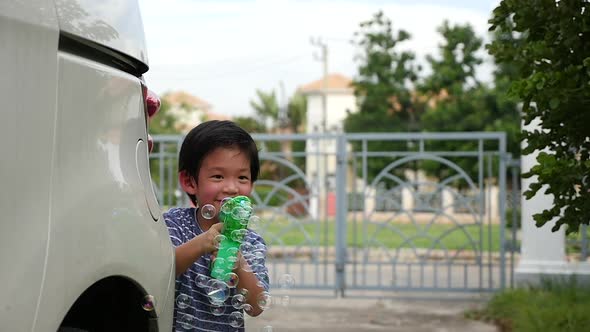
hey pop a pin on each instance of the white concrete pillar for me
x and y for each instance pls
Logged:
(494, 207)
(542, 251)
(370, 204)
(407, 199)
(448, 201)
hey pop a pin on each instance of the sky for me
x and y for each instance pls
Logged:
(222, 51)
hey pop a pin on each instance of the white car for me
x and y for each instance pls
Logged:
(83, 245)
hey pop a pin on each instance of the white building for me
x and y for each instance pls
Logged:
(326, 116)
(190, 110)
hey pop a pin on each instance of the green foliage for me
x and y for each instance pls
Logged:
(163, 123)
(449, 99)
(385, 75)
(383, 86)
(460, 103)
(552, 62)
(250, 124)
(267, 110)
(553, 306)
(299, 146)
(266, 107)
(276, 200)
(457, 63)
(297, 112)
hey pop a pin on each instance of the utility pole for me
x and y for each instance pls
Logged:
(323, 57)
(322, 165)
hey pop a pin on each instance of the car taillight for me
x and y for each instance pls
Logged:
(151, 105)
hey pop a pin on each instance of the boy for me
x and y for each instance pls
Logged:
(217, 159)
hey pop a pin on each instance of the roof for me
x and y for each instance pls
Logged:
(182, 97)
(334, 82)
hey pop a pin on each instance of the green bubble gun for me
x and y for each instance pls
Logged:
(235, 213)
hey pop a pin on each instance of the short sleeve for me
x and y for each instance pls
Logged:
(174, 230)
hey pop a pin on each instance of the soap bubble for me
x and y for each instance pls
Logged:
(218, 239)
(286, 281)
(246, 204)
(148, 303)
(263, 300)
(183, 301)
(247, 265)
(232, 255)
(285, 300)
(232, 279)
(241, 213)
(246, 247)
(208, 211)
(217, 265)
(238, 235)
(187, 321)
(217, 291)
(225, 208)
(244, 292)
(254, 222)
(247, 307)
(236, 319)
(201, 280)
(218, 310)
(238, 300)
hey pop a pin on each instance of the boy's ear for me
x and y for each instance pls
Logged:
(187, 182)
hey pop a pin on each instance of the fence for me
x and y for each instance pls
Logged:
(360, 213)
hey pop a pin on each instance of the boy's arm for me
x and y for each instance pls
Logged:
(187, 253)
(254, 277)
(248, 280)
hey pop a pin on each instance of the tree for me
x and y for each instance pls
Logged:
(250, 124)
(297, 113)
(553, 66)
(266, 108)
(163, 123)
(455, 96)
(383, 86)
(459, 102)
(455, 69)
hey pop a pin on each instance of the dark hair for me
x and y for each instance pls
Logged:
(208, 136)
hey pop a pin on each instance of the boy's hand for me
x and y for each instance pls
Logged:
(242, 264)
(210, 239)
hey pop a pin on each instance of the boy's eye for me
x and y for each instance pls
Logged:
(217, 176)
(244, 178)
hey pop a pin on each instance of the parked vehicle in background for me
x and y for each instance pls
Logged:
(83, 243)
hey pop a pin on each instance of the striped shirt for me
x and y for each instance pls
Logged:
(193, 310)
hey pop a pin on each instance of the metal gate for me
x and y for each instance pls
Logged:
(353, 214)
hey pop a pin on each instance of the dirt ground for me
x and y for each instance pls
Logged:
(358, 315)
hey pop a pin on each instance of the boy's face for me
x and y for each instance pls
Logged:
(225, 172)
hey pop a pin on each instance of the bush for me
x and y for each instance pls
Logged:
(552, 306)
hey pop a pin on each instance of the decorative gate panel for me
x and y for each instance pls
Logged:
(355, 213)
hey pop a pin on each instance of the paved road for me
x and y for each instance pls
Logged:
(358, 315)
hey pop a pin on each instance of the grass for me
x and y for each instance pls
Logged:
(387, 235)
(552, 306)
